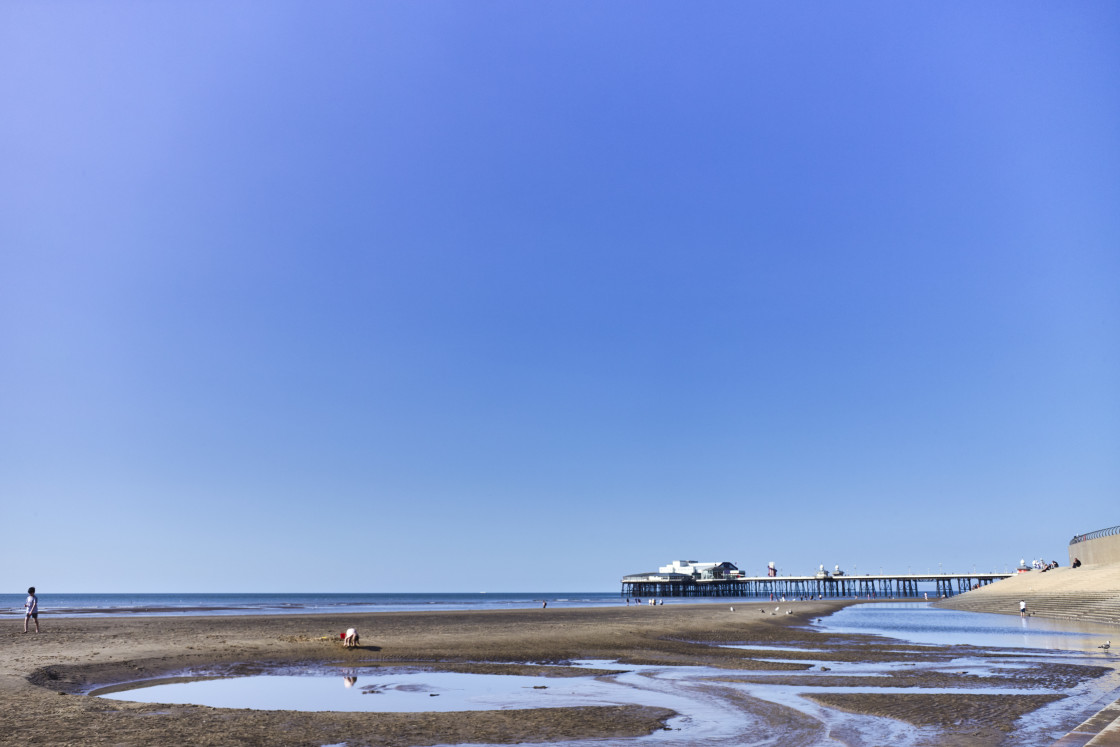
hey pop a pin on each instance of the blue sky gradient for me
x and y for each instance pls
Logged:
(526, 296)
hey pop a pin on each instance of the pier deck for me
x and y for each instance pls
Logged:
(869, 586)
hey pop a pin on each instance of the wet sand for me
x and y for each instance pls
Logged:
(45, 678)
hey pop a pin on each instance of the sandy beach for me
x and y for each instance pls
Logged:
(45, 679)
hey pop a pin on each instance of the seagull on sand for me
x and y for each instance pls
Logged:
(1105, 645)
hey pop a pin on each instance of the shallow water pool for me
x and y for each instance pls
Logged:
(707, 705)
(385, 691)
(918, 622)
(730, 707)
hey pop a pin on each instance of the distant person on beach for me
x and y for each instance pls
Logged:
(1022, 608)
(350, 640)
(32, 607)
(1077, 562)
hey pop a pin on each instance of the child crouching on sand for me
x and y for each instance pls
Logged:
(350, 638)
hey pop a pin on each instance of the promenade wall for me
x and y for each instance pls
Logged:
(1090, 593)
(1097, 550)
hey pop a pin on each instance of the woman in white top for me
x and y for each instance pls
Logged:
(32, 606)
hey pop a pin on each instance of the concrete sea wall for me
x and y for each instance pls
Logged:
(1096, 548)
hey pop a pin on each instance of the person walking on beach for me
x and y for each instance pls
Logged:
(32, 607)
(1022, 608)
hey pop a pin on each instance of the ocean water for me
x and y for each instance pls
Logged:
(75, 605)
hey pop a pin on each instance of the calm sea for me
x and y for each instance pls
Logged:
(73, 605)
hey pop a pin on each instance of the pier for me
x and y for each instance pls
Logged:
(871, 586)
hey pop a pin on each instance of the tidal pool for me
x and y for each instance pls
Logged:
(394, 690)
(711, 708)
(761, 707)
(918, 622)
(706, 716)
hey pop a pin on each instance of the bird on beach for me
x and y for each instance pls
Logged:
(1106, 645)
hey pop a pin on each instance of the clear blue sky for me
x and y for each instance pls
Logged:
(444, 296)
